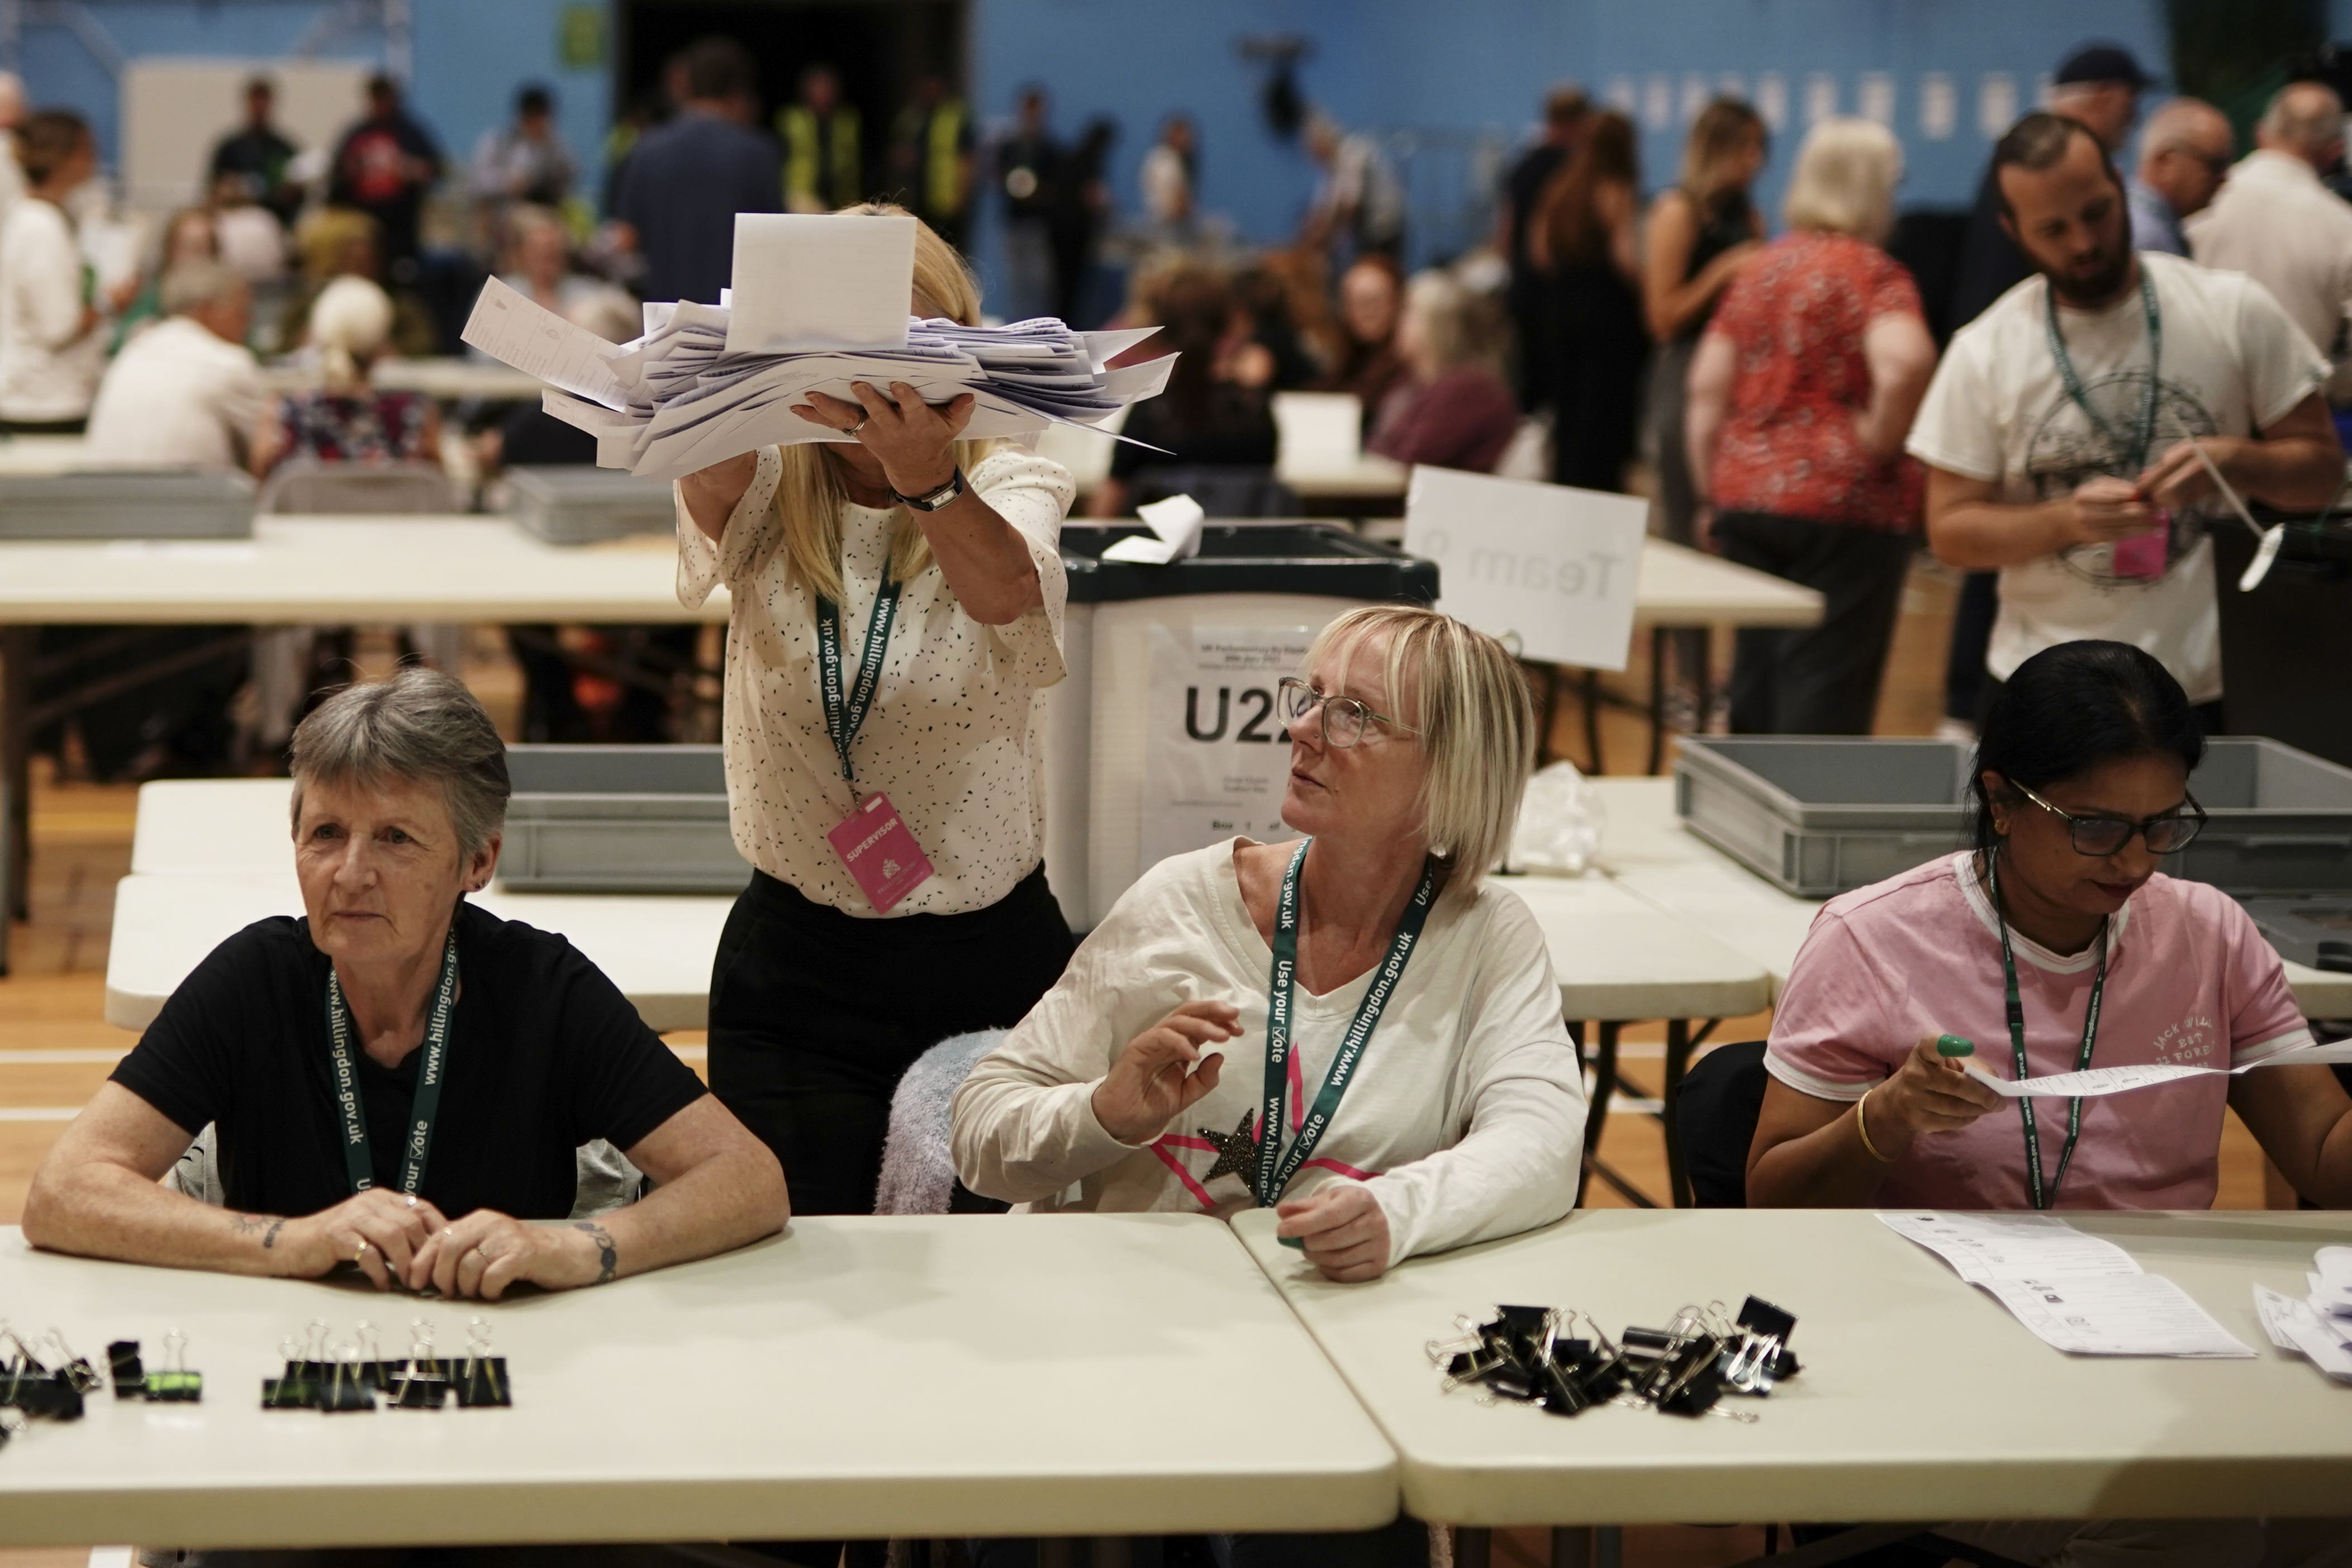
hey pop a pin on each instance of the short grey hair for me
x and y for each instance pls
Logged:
(1845, 182)
(191, 285)
(421, 725)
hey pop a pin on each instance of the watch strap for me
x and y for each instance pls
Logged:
(934, 499)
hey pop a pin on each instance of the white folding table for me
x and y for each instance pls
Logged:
(1920, 1398)
(855, 1377)
(298, 569)
(209, 856)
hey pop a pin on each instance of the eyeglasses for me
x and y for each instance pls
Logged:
(1344, 718)
(2103, 835)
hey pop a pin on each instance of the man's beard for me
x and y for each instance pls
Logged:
(2097, 288)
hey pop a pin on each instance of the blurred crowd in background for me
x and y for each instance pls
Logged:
(1560, 346)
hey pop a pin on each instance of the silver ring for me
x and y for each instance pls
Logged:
(412, 1200)
(861, 424)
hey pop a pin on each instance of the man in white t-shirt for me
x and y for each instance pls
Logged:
(2061, 433)
(2277, 224)
(186, 392)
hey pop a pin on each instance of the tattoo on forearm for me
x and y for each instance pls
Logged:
(246, 1224)
(609, 1262)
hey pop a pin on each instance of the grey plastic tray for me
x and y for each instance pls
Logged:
(2315, 933)
(1821, 815)
(576, 504)
(619, 819)
(127, 503)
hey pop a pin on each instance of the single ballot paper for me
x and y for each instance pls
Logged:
(2294, 1326)
(1175, 535)
(2094, 1082)
(2076, 1293)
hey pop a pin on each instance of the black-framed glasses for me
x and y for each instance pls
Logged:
(2101, 835)
(1344, 718)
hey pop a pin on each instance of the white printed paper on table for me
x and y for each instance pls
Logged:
(1550, 570)
(1216, 759)
(2077, 1293)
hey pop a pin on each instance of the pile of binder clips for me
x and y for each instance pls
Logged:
(1537, 1355)
(355, 1375)
(53, 1389)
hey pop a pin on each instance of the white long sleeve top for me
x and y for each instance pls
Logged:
(1466, 1118)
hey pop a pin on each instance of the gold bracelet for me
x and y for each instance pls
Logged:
(1862, 1127)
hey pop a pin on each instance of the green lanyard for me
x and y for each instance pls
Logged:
(358, 1158)
(845, 715)
(1274, 1168)
(2135, 451)
(2043, 1199)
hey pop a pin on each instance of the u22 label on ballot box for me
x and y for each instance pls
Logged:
(1217, 759)
(1549, 570)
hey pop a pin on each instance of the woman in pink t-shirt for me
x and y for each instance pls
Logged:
(2081, 784)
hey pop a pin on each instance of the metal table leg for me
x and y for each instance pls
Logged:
(15, 778)
(1679, 1046)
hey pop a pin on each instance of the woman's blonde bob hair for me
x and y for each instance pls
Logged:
(1844, 180)
(1469, 703)
(810, 496)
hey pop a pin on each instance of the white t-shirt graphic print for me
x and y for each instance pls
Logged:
(1997, 410)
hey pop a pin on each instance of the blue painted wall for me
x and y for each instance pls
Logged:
(1465, 67)
(470, 57)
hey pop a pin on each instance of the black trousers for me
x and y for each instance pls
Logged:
(1973, 613)
(815, 1015)
(1824, 679)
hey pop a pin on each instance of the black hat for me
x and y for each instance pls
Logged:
(2102, 62)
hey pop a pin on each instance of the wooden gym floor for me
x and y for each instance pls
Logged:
(56, 1047)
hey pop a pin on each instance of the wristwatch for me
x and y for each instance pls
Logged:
(934, 499)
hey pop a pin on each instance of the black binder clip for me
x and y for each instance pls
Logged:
(423, 1382)
(1761, 1357)
(123, 1370)
(74, 1369)
(177, 1385)
(344, 1389)
(293, 1388)
(483, 1379)
(32, 1388)
(374, 1371)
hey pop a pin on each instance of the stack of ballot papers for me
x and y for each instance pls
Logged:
(2318, 1326)
(819, 303)
(2076, 1292)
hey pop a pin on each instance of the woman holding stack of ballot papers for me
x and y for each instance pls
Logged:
(1358, 1029)
(897, 595)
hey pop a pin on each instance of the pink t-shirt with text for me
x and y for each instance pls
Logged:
(2189, 982)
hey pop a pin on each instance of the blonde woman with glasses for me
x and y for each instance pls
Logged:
(1368, 980)
(897, 595)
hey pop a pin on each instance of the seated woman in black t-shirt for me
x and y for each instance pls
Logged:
(402, 1079)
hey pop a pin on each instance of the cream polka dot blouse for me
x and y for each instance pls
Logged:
(951, 737)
